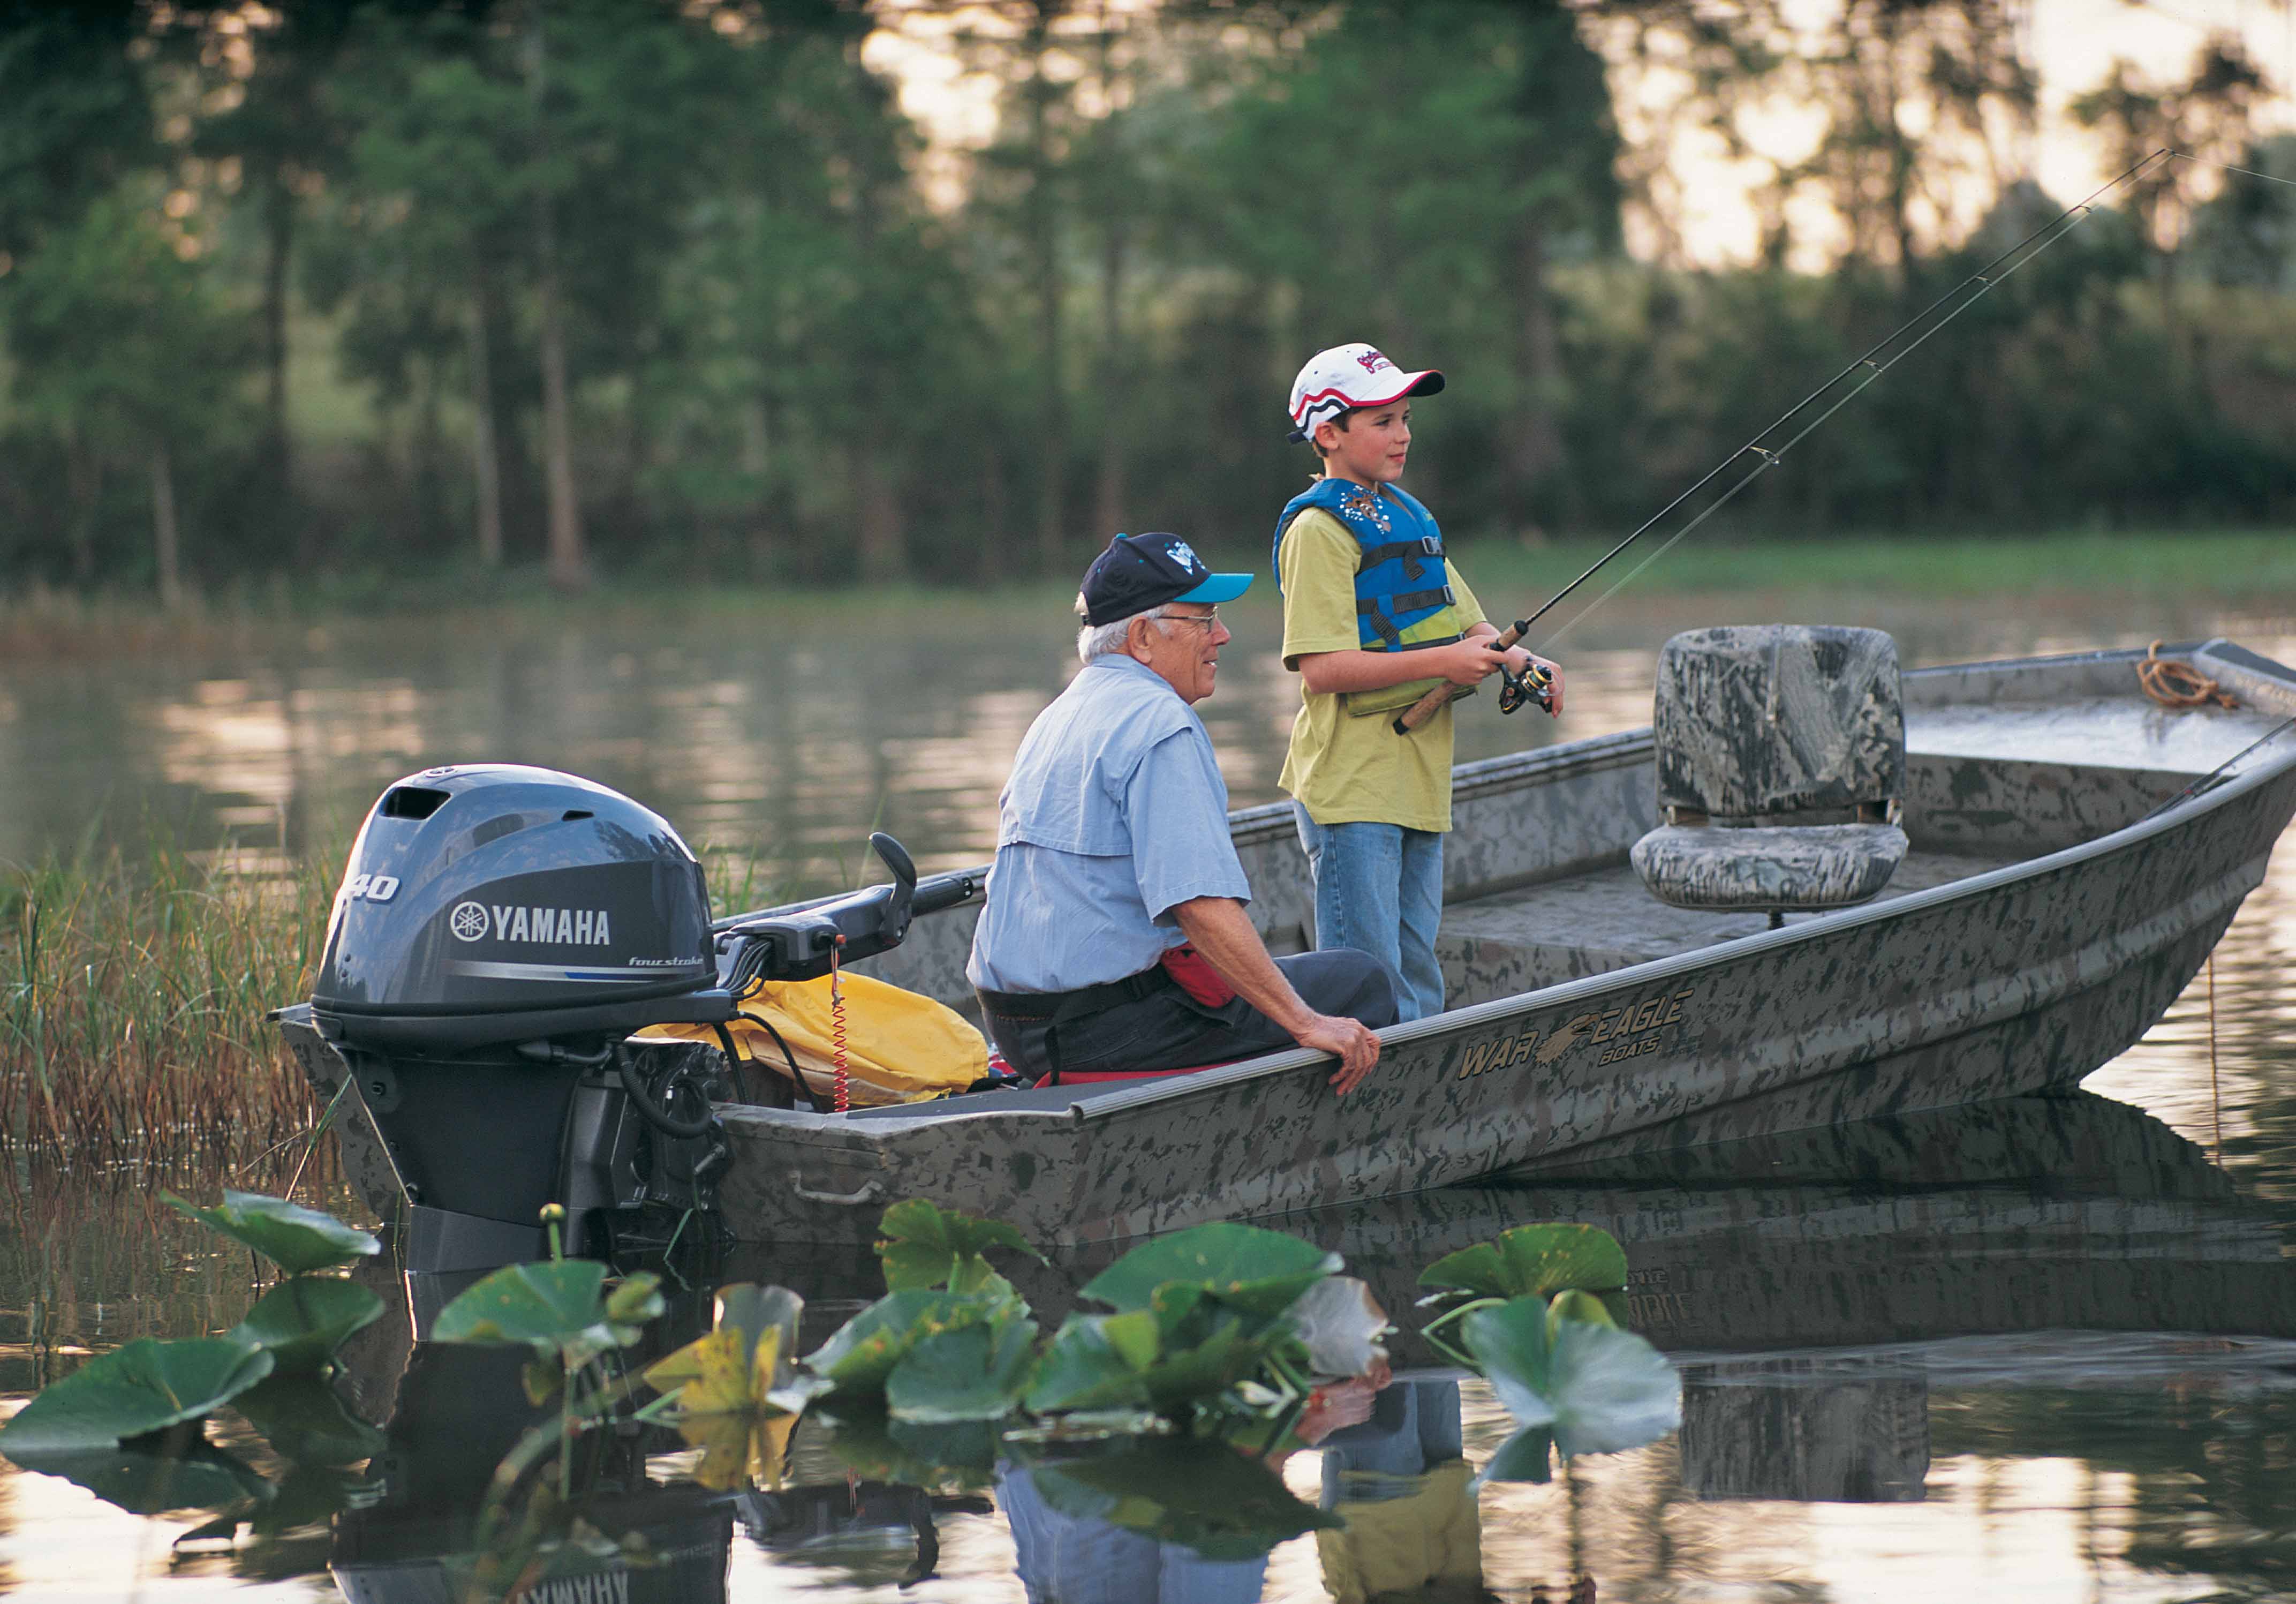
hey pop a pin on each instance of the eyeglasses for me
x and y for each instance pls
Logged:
(1207, 620)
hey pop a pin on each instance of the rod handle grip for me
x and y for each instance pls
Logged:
(1411, 718)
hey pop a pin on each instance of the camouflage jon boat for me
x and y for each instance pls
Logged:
(2040, 918)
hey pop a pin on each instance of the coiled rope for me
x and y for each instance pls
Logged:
(2173, 683)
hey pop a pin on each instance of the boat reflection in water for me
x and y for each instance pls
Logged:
(1826, 1296)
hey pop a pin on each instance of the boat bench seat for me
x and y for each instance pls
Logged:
(1783, 866)
(1780, 754)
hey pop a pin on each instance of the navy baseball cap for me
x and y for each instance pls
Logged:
(1140, 572)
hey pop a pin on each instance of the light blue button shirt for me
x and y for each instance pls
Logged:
(1116, 812)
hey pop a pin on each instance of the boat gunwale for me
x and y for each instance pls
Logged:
(1179, 1085)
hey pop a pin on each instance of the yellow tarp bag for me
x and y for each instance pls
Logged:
(901, 1047)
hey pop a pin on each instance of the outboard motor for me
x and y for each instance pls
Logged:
(500, 932)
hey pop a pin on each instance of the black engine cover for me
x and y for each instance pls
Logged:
(493, 903)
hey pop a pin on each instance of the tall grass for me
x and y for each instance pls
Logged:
(132, 991)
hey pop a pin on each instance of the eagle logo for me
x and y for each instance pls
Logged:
(1185, 554)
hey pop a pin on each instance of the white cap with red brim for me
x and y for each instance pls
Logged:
(1347, 377)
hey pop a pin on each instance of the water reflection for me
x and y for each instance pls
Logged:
(779, 740)
(1978, 1354)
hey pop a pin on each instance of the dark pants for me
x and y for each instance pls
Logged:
(1169, 1030)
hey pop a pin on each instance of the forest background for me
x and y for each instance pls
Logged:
(406, 293)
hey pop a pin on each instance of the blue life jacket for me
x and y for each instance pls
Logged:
(1401, 578)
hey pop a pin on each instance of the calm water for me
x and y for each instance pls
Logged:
(2036, 1353)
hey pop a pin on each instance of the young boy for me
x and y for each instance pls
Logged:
(1374, 615)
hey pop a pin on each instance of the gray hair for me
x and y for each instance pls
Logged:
(1098, 640)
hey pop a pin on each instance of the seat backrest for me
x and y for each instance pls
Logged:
(1768, 718)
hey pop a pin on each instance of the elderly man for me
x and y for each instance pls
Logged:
(1115, 942)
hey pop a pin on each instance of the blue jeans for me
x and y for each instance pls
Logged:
(1379, 888)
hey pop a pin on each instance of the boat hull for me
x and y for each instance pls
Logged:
(2022, 980)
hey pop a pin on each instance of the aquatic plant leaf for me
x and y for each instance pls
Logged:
(1533, 1260)
(974, 1374)
(873, 1445)
(923, 1245)
(1600, 1389)
(862, 1353)
(1527, 1456)
(1576, 1305)
(561, 1310)
(1197, 1493)
(308, 1421)
(1088, 1365)
(144, 1386)
(1179, 1380)
(155, 1474)
(298, 1239)
(306, 1318)
(1339, 1323)
(1262, 1270)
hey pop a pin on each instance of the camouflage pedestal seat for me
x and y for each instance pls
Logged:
(1780, 757)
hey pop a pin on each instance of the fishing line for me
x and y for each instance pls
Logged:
(1866, 368)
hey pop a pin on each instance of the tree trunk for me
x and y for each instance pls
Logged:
(1534, 444)
(277, 464)
(884, 559)
(567, 565)
(1107, 502)
(165, 543)
(1044, 240)
(486, 460)
(996, 517)
(84, 469)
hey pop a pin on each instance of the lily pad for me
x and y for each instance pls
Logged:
(307, 1420)
(923, 1245)
(1527, 1456)
(1533, 1260)
(873, 1445)
(973, 1374)
(298, 1239)
(1598, 1388)
(1262, 1270)
(1199, 1494)
(861, 1353)
(155, 1474)
(559, 1309)
(1095, 1362)
(145, 1387)
(306, 1318)
(1339, 1323)
(737, 1391)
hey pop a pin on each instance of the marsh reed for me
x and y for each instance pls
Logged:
(132, 991)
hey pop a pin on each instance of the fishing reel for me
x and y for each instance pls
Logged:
(1534, 683)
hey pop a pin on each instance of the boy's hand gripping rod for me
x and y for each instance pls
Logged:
(1531, 685)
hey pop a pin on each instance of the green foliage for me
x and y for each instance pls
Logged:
(302, 1322)
(924, 1246)
(1583, 1385)
(895, 1349)
(563, 1310)
(298, 1239)
(145, 1387)
(1243, 1266)
(1533, 1260)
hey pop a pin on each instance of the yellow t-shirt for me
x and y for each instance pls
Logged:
(1347, 769)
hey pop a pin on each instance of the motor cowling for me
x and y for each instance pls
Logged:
(494, 902)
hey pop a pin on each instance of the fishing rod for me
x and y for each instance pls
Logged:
(1534, 683)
